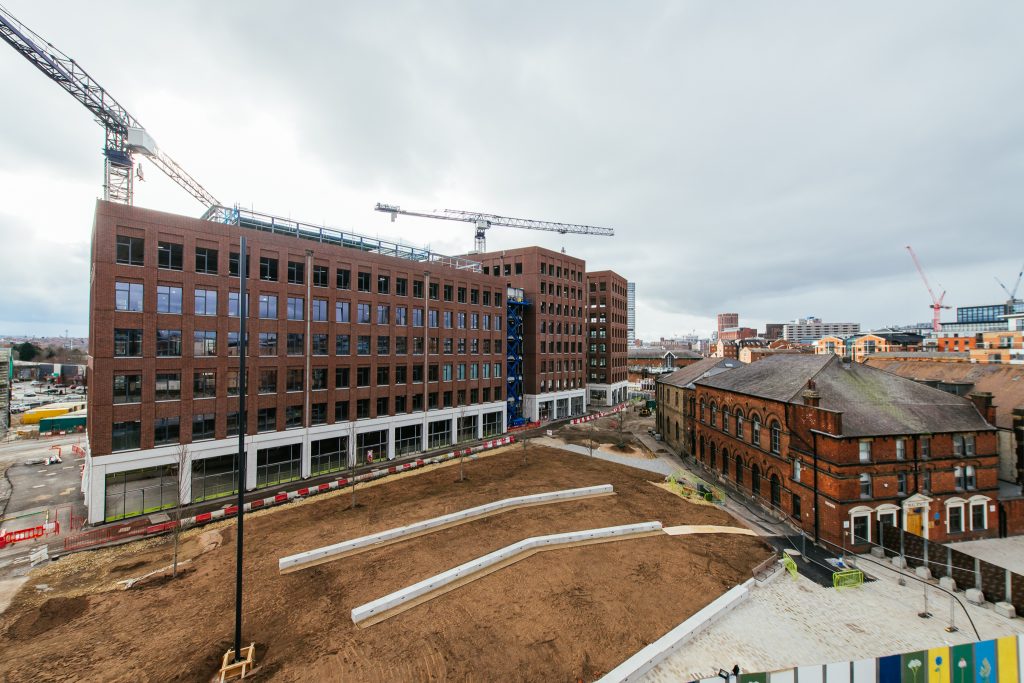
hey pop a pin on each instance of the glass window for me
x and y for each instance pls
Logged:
(130, 250)
(776, 437)
(865, 485)
(341, 312)
(295, 307)
(320, 310)
(215, 477)
(266, 419)
(292, 417)
(168, 299)
(363, 345)
(342, 346)
(363, 313)
(204, 343)
(383, 346)
(268, 343)
(206, 260)
(363, 281)
(978, 516)
(268, 306)
(128, 296)
(233, 265)
(140, 492)
(278, 465)
(125, 436)
(318, 343)
(127, 388)
(328, 455)
(168, 343)
(203, 426)
(865, 451)
(344, 280)
(166, 430)
(233, 299)
(127, 343)
(956, 519)
(206, 302)
(168, 386)
(204, 384)
(268, 380)
(383, 314)
(295, 379)
(268, 269)
(296, 344)
(321, 276)
(170, 256)
(296, 273)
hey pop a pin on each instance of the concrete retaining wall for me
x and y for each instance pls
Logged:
(638, 666)
(502, 556)
(363, 543)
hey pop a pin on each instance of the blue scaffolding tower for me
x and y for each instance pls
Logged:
(516, 304)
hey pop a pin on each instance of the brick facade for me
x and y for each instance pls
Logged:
(607, 337)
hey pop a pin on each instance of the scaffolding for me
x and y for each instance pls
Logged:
(517, 304)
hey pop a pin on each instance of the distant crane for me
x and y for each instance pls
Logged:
(124, 134)
(485, 221)
(937, 304)
(1012, 293)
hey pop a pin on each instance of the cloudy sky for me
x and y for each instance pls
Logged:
(771, 159)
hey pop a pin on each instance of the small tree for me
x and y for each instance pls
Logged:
(183, 462)
(352, 461)
(622, 427)
(458, 427)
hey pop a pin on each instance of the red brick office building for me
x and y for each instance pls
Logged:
(841, 448)
(554, 347)
(356, 347)
(607, 338)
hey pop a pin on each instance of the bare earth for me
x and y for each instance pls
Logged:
(564, 615)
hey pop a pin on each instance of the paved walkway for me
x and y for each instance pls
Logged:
(796, 622)
(651, 465)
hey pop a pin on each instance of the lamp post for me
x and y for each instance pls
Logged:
(243, 312)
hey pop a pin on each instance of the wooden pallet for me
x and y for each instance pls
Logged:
(230, 669)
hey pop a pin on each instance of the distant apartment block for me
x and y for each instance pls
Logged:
(726, 321)
(607, 338)
(6, 374)
(631, 311)
(813, 328)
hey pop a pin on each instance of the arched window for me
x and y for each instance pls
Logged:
(776, 437)
(714, 414)
(702, 407)
(739, 424)
(755, 430)
(712, 449)
(702, 449)
(776, 491)
(755, 479)
(725, 462)
(725, 419)
(739, 470)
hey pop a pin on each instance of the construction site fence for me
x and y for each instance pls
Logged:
(113, 534)
(31, 533)
(587, 418)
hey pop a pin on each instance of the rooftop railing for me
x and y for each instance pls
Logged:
(285, 226)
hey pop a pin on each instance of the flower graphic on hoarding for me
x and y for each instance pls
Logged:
(914, 665)
(962, 665)
(985, 670)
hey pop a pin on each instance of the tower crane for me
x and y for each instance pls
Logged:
(485, 221)
(125, 136)
(937, 304)
(1012, 293)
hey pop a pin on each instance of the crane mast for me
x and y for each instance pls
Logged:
(1012, 293)
(484, 221)
(936, 304)
(124, 135)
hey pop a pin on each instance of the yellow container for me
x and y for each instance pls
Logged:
(31, 417)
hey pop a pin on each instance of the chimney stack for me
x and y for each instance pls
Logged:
(810, 395)
(983, 402)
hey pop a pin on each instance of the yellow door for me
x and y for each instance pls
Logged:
(914, 522)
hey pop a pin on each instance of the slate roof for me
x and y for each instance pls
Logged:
(872, 402)
(1004, 382)
(646, 352)
(683, 377)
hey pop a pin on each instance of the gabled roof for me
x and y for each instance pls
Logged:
(872, 402)
(650, 353)
(1004, 382)
(684, 377)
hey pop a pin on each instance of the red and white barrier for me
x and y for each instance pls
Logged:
(11, 537)
(73, 543)
(587, 418)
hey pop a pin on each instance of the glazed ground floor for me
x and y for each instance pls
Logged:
(607, 395)
(554, 405)
(133, 483)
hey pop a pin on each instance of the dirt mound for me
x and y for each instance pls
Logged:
(53, 612)
(555, 616)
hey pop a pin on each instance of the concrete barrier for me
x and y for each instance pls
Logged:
(640, 664)
(401, 600)
(363, 543)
